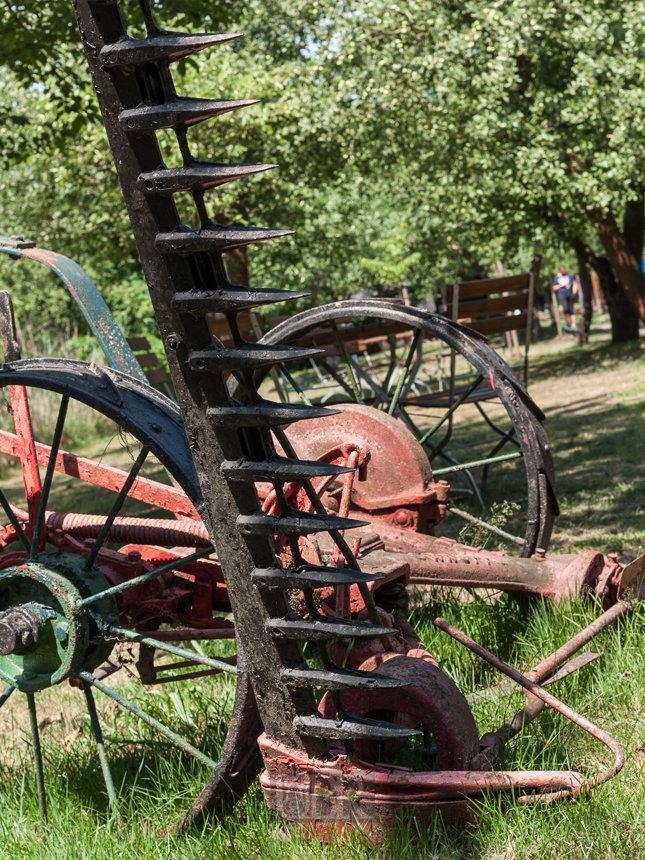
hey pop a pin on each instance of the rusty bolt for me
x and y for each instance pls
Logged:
(134, 555)
(174, 342)
(402, 517)
(19, 631)
(61, 631)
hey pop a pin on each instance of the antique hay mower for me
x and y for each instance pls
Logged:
(264, 492)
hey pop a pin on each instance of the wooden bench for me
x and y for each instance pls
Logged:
(490, 306)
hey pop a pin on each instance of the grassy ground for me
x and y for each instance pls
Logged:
(594, 398)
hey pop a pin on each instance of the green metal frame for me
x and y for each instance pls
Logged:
(87, 296)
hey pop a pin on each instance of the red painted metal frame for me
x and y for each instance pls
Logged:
(144, 490)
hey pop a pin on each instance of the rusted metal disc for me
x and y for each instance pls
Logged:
(431, 699)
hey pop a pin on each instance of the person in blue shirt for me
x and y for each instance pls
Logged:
(566, 287)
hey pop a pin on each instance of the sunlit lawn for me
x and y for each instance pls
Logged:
(594, 399)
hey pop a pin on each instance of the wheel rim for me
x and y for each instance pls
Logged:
(60, 616)
(526, 418)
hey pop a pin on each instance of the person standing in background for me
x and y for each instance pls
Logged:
(566, 287)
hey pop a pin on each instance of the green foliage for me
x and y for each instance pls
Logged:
(511, 118)
(415, 142)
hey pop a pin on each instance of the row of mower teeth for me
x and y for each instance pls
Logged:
(137, 95)
(199, 176)
(168, 47)
(309, 576)
(264, 414)
(214, 238)
(180, 112)
(229, 300)
(246, 356)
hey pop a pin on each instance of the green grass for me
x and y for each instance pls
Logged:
(156, 783)
(594, 398)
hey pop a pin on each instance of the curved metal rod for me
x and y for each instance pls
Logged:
(540, 693)
(86, 295)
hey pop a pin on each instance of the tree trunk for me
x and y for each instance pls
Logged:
(586, 292)
(624, 319)
(623, 254)
(634, 226)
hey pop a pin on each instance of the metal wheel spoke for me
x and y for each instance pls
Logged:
(15, 522)
(292, 382)
(116, 507)
(49, 476)
(506, 437)
(6, 694)
(356, 389)
(38, 758)
(98, 737)
(404, 374)
(28, 457)
(146, 718)
(173, 649)
(146, 577)
(379, 392)
(460, 467)
(335, 376)
(452, 408)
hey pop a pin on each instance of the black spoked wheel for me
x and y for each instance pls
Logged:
(476, 422)
(66, 603)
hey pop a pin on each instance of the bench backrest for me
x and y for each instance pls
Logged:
(491, 306)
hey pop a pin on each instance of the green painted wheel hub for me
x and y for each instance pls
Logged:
(57, 636)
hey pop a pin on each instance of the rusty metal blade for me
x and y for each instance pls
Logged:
(294, 523)
(216, 238)
(279, 469)
(247, 357)
(200, 176)
(632, 577)
(180, 112)
(232, 298)
(339, 679)
(323, 629)
(351, 728)
(265, 414)
(307, 576)
(168, 47)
